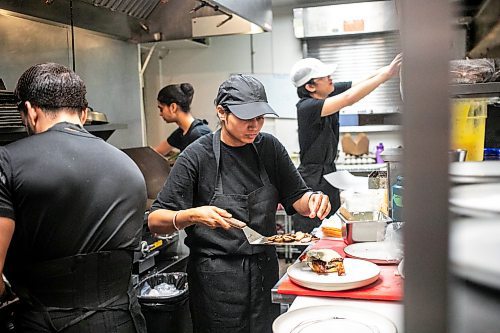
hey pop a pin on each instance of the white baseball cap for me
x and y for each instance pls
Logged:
(310, 68)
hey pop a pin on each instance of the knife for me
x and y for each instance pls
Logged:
(253, 237)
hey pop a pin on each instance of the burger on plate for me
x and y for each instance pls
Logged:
(324, 261)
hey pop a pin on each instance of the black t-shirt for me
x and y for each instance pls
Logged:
(191, 182)
(310, 122)
(197, 129)
(69, 193)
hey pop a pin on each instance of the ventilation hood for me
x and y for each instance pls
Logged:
(141, 21)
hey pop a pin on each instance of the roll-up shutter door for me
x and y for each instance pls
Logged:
(357, 56)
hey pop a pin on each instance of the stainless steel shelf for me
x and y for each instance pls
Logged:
(489, 89)
(104, 131)
(370, 128)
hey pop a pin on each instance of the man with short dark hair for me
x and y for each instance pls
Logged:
(71, 214)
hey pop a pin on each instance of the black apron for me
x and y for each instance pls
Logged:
(230, 285)
(82, 293)
(316, 162)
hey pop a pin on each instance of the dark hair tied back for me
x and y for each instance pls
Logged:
(182, 94)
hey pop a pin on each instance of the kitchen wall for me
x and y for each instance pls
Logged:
(108, 66)
(207, 66)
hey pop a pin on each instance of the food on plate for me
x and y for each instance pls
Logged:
(324, 261)
(330, 231)
(298, 236)
(332, 227)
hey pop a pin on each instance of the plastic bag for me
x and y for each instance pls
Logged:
(394, 237)
(471, 71)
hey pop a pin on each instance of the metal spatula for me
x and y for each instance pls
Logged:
(253, 237)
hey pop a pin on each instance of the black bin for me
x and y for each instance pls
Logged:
(166, 314)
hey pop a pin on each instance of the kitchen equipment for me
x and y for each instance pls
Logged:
(393, 157)
(332, 318)
(363, 226)
(95, 117)
(457, 155)
(253, 237)
(376, 252)
(155, 250)
(358, 273)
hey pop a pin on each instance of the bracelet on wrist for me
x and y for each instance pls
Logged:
(175, 219)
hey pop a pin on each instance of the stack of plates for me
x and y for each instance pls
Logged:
(332, 318)
(480, 200)
(475, 172)
(475, 250)
(358, 273)
(474, 242)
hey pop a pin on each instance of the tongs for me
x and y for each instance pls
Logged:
(253, 237)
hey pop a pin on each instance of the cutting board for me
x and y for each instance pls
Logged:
(389, 286)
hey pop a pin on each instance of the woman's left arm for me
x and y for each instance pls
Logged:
(313, 204)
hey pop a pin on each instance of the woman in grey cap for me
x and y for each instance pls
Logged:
(318, 120)
(235, 172)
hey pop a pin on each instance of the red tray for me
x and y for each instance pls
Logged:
(389, 286)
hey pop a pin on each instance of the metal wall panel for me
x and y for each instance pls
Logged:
(357, 56)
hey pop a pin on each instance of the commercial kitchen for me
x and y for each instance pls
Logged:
(127, 50)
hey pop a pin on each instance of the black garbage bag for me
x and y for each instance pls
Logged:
(168, 312)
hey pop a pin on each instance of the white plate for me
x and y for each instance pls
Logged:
(475, 172)
(332, 318)
(481, 200)
(475, 250)
(358, 273)
(376, 252)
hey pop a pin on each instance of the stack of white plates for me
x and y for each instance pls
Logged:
(479, 200)
(475, 250)
(475, 172)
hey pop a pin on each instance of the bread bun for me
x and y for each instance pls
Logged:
(325, 261)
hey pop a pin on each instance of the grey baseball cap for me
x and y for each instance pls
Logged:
(244, 96)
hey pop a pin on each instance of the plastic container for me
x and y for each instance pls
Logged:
(378, 152)
(165, 314)
(491, 154)
(468, 122)
(397, 200)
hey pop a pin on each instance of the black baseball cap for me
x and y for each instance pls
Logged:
(244, 96)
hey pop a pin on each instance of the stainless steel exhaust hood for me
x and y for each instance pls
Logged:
(141, 21)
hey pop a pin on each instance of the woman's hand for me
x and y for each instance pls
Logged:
(393, 68)
(211, 216)
(319, 205)
(313, 204)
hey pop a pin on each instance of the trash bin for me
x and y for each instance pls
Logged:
(165, 313)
